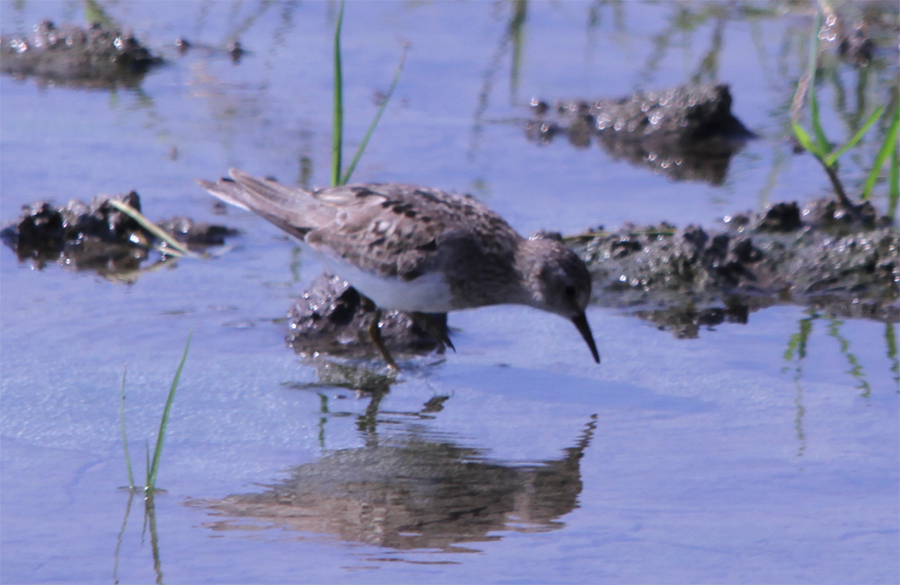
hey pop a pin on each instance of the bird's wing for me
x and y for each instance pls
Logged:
(398, 230)
(390, 229)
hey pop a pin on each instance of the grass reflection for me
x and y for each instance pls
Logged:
(516, 35)
(890, 337)
(512, 40)
(149, 525)
(856, 369)
(120, 536)
(797, 350)
(686, 20)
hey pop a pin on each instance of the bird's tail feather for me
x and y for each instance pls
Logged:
(291, 209)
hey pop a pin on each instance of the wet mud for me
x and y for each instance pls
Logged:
(842, 264)
(687, 133)
(94, 57)
(683, 279)
(862, 30)
(332, 317)
(98, 237)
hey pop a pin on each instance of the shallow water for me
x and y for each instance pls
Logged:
(735, 457)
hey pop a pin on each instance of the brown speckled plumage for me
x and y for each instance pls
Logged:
(404, 232)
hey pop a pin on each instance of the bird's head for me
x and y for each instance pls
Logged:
(559, 282)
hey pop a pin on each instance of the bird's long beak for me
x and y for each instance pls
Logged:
(581, 324)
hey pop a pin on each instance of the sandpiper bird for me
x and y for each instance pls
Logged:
(420, 250)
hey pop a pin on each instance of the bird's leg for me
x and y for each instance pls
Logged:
(433, 326)
(375, 334)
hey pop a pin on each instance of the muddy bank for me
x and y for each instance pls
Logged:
(684, 279)
(332, 317)
(685, 133)
(94, 57)
(98, 237)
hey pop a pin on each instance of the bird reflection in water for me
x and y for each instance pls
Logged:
(411, 490)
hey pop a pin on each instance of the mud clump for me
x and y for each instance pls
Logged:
(194, 233)
(98, 237)
(685, 279)
(686, 133)
(862, 33)
(332, 317)
(94, 57)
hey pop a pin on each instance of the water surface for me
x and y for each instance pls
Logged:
(765, 452)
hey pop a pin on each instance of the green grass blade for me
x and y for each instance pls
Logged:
(894, 193)
(805, 141)
(120, 535)
(888, 148)
(387, 98)
(832, 158)
(821, 140)
(152, 228)
(93, 12)
(337, 116)
(124, 436)
(157, 453)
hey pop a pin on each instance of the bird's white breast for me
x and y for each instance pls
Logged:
(428, 293)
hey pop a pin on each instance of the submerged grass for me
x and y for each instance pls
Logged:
(152, 465)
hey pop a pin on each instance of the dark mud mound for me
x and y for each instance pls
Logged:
(683, 279)
(686, 133)
(332, 317)
(98, 237)
(96, 57)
